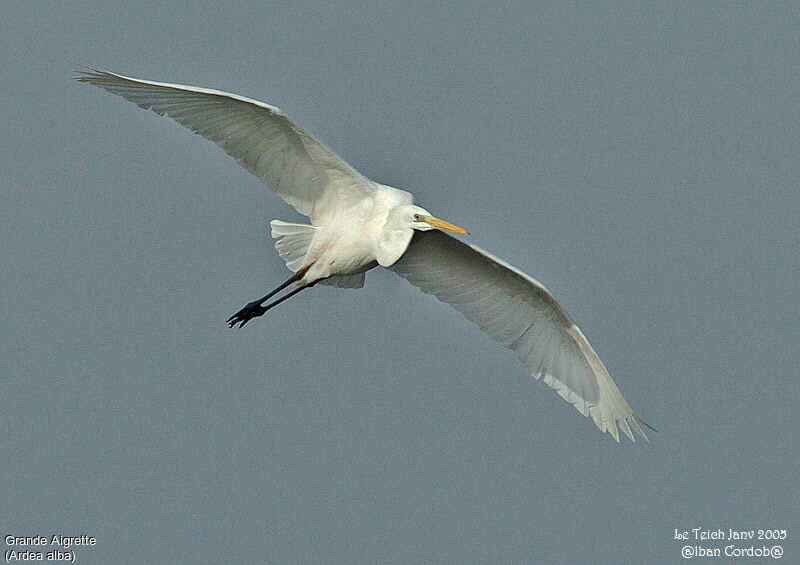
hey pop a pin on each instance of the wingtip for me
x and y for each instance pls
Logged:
(634, 423)
(629, 425)
(85, 73)
(646, 425)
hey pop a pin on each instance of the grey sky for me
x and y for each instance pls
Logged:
(641, 162)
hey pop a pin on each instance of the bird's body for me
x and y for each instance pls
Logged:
(365, 232)
(357, 224)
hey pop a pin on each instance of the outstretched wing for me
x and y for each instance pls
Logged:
(300, 169)
(520, 313)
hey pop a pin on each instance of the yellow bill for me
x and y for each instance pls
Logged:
(446, 226)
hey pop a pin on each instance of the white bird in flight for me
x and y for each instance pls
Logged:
(357, 224)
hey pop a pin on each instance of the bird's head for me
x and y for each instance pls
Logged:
(420, 219)
(399, 227)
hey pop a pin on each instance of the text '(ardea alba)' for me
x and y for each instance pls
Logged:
(357, 224)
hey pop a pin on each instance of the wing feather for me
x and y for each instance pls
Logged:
(300, 169)
(520, 313)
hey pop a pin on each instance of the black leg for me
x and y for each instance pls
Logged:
(286, 296)
(291, 279)
(255, 308)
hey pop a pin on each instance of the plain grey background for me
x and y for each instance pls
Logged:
(641, 161)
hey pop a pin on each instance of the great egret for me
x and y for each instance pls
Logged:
(357, 224)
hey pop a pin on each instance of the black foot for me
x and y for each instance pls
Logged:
(252, 310)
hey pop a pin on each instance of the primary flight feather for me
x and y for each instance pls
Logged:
(357, 224)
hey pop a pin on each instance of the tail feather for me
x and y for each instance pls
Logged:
(292, 241)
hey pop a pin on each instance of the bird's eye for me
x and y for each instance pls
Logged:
(416, 217)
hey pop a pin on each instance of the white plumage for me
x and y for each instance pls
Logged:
(357, 224)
